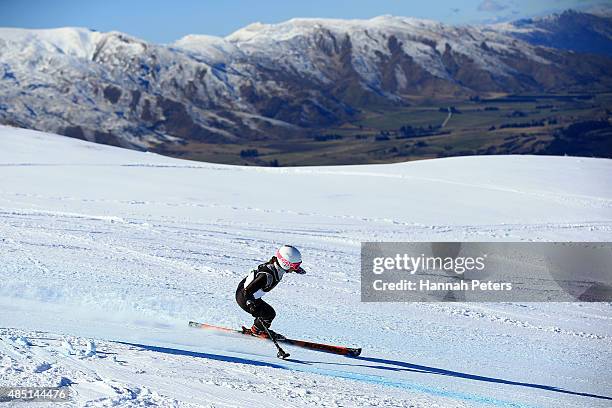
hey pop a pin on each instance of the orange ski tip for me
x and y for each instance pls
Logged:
(210, 326)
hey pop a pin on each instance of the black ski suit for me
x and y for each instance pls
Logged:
(257, 283)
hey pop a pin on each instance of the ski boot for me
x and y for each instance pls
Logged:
(262, 333)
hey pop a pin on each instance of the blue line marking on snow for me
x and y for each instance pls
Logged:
(407, 385)
(296, 365)
(440, 371)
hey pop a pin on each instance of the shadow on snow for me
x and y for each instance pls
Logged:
(217, 357)
(382, 364)
(405, 366)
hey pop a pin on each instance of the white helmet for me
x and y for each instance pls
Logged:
(289, 258)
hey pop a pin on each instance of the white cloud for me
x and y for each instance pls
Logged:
(491, 6)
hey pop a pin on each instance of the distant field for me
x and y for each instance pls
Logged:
(526, 124)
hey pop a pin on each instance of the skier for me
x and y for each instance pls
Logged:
(261, 281)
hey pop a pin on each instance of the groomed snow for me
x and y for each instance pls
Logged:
(107, 253)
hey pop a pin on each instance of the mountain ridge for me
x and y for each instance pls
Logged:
(264, 79)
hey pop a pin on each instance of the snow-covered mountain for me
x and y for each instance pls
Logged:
(265, 80)
(570, 30)
(106, 253)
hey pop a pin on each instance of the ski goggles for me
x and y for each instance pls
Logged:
(292, 266)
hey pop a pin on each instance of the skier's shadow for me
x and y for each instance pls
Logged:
(197, 354)
(394, 365)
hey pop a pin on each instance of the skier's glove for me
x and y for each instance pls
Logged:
(251, 306)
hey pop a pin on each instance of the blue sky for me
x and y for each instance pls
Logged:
(166, 21)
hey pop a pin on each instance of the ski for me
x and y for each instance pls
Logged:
(327, 348)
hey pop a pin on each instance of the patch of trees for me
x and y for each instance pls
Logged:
(326, 137)
(452, 109)
(533, 123)
(517, 114)
(408, 131)
(382, 136)
(249, 153)
(591, 138)
(457, 153)
(579, 128)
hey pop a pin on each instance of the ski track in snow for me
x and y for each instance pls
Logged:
(103, 265)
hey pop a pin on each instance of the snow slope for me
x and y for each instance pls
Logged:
(107, 253)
